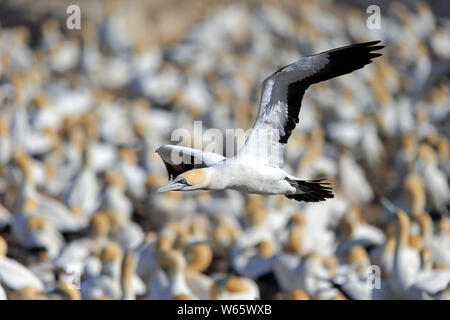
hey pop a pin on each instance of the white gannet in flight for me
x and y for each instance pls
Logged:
(257, 167)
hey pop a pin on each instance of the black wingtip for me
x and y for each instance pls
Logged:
(312, 190)
(372, 42)
(374, 55)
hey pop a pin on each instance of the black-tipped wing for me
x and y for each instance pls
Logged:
(282, 94)
(178, 159)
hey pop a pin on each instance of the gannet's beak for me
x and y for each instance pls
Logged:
(171, 187)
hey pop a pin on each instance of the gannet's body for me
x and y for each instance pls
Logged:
(257, 167)
(234, 175)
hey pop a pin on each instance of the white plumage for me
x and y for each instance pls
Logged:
(258, 166)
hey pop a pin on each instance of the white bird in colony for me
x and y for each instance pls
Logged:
(20, 133)
(150, 121)
(56, 179)
(405, 115)
(34, 141)
(435, 179)
(131, 284)
(114, 198)
(199, 257)
(430, 283)
(55, 212)
(43, 268)
(40, 233)
(167, 285)
(308, 274)
(115, 31)
(6, 145)
(414, 194)
(404, 280)
(148, 251)
(14, 275)
(84, 191)
(92, 267)
(303, 237)
(120, 209)
(51, 34)
(355, 229)
(383, 256)
(225, 236)
(113, 123)
(194, 97)
(440, 42)
(315, 163)
(257, 168)
(386, 115)
(326, 215)
(64, 56)
(314, 231)
(73, 257)
(28, 293)
(134, 176)
(346, 133)
(438, 243)
(255, 261)
(107, 283)
(353, 283)
(199, 227)
(405, 157)
(127, 233)
(5, 217)
(424, 127)
(102, 154)
(444, 154)
(163, 86)
(371, 145)
(421, 69)
(20, 54)
(258, 229)
(71, 102)
(176, 274)
(2, 293)
(146, 59)
(71, 159)
(353, 180)
(425, 21)
(64, 290)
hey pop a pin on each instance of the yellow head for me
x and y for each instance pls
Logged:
(196, 179)
(199, 257)
(27, 293)
(298, 294)
(70, 291)
(3, 247)
(173, 260)
(265, 249)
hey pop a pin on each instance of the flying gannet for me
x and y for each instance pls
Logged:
(257, 167)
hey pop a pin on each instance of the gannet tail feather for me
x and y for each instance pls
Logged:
(310, 191)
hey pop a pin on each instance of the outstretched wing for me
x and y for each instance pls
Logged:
(178, 159)
(282, 94)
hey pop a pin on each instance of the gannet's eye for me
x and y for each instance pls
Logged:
(183, 181)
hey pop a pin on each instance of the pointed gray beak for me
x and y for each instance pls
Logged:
(171, 187)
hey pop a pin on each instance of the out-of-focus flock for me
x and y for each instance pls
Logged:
(82, 113)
